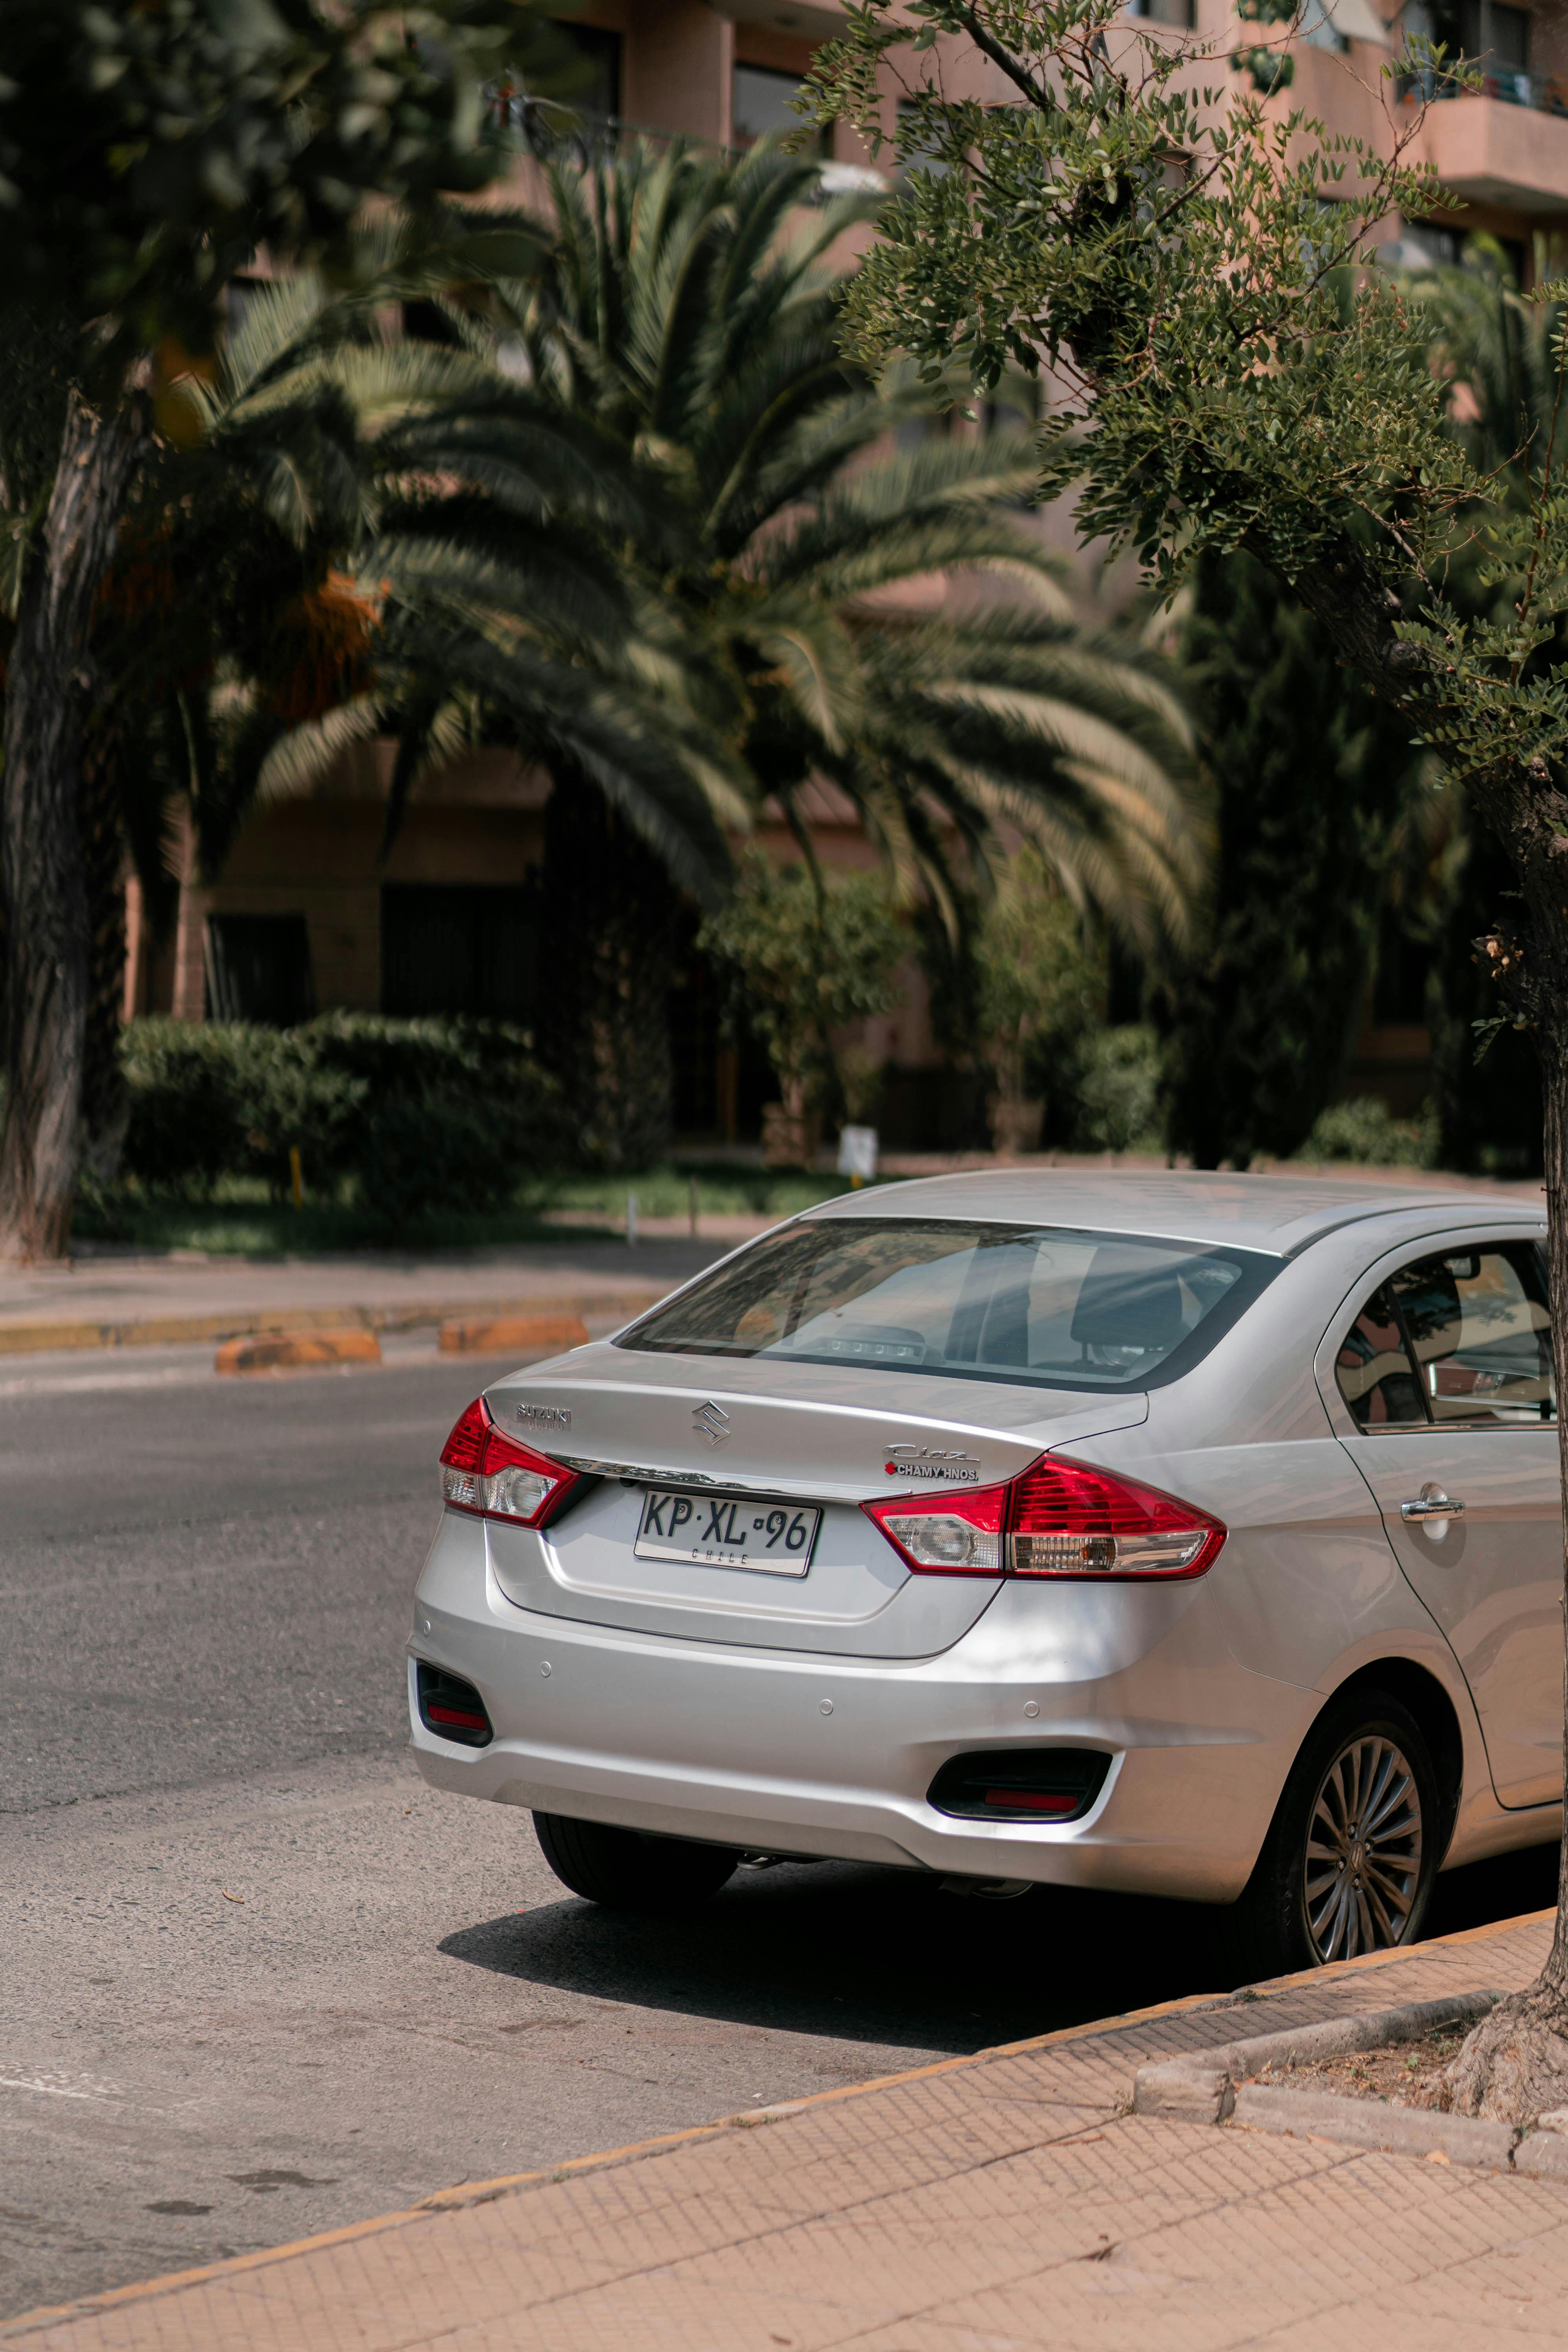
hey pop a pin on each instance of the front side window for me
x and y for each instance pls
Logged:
(1051, 1306)
(1461, 1338)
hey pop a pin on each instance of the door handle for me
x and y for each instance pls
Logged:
(1432, 1503)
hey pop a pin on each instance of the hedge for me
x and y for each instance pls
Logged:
(422, 1115)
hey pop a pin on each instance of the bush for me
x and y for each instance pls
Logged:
(1367, 1131)
(423, 1155)
(422, 1116)
(1118, 1091)
(219, 1099)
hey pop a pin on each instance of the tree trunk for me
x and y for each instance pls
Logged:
(105, 1105)
(49, 693)
(607, 962)
(1514, 2066)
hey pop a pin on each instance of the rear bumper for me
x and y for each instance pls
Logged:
(785, 1752)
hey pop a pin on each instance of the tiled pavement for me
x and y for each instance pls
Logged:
(977, 2206)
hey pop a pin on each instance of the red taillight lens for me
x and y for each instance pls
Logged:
(1058, 1519)
(496, 1478)
(1068, 1520)
(466, 1443)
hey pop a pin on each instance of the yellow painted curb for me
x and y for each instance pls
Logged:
(175, 1330)
(483, 2192)
(297, 1352)
(481, 1336)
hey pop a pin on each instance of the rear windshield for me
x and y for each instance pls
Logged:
(1049, 1305)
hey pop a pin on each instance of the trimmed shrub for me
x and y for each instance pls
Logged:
(424, 1157)
(1366, 1130)
(218, 1099)
(423, 1116)
(1118, 1090)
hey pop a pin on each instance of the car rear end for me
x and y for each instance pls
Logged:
(818, 1560)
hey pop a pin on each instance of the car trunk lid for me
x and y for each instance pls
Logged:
(810, 1437)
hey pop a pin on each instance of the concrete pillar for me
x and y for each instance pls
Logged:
(677, 69)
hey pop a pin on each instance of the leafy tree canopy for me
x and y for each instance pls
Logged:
(1143, 226)
(1171, 250)
(805, 957)
(146, 151)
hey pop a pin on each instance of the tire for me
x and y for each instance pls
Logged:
(1301, 1910)
(625, 1870)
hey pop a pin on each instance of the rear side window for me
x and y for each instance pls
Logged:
(1463, 1337)
(1376, 1377)
(1052, 1306)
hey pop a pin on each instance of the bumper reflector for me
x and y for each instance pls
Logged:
(1020, 1784)
(452, 1708)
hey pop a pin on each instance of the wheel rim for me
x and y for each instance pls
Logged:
(1364, 1851)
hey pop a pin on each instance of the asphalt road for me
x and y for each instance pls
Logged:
(257, 1981)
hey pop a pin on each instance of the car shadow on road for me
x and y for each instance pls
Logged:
(865, 1955)
(888, 1956)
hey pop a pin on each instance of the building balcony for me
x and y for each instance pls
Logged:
(1506, 144)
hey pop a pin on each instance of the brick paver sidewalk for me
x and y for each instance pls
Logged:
(977, 2206)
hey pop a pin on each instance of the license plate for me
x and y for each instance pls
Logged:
(727, 1531)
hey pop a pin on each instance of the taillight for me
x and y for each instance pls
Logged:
(952, 1535)
(495, 1477)
(1056, 1518)
(1070, 1520)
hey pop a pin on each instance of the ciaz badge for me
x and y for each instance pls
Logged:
(949, 1464)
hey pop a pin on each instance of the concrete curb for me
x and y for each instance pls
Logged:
(1213, 2086)
(481, 1336)
(414, 1315)
(1367, 2123)
(482, 2193)
(296, 1351)
(1202, 2089)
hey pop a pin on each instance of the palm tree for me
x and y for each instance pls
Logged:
(305, 565)
(688, 309)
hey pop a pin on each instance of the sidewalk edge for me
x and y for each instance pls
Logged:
(410, 1315)
(484, 2192)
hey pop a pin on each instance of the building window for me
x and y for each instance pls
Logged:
(595, 88)
(258, 969)
(459, 948)
(1496, 38)
(1178, 13)
(1319, 29)
(761, 106)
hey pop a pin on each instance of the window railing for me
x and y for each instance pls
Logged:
(554, 134)
(1543, 93)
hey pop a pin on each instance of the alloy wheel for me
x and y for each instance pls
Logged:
(1363, 1850)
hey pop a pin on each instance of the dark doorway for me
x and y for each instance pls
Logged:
(595, 88)
(460, 948)
(258, 969)
(695, 1045)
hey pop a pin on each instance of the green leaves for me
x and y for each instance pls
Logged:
(147, 152)
(806, 954)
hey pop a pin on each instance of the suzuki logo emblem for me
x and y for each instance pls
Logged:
(712, 1421)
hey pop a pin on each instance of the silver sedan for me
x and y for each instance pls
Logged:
(1189, 1535)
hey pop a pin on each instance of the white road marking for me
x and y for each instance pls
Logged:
(58, 2086)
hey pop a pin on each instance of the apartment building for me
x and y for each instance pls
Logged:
(305, 918)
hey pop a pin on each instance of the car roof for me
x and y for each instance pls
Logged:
(1281, 1215)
